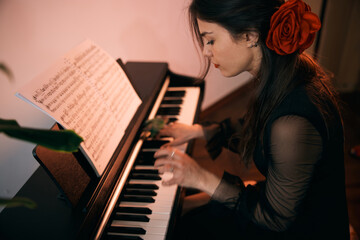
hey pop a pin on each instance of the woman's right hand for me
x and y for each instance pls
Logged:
(181, 133)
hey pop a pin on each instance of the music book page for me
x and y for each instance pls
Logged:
(87, 91)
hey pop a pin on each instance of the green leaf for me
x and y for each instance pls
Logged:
(7, 71)
(154, 126)
(18, 202)
(63, 140)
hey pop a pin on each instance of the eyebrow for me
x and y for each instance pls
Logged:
(205, 33)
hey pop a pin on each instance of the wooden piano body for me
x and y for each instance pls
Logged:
(78, 205)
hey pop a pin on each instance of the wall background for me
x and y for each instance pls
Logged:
(36, 33)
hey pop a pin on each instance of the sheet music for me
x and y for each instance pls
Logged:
(87, 91)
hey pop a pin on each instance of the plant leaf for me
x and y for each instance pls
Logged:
(18, 202)
(154, 126)
(7, 71)
(63, 140)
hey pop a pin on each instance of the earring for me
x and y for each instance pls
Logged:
(254, 45)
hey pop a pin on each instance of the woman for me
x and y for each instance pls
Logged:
(292, 130)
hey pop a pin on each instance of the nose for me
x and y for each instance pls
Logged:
(207, 51)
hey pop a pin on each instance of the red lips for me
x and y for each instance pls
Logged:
(216, 65)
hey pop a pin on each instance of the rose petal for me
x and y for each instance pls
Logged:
(304, 34)
(308, 43)
(313, 20)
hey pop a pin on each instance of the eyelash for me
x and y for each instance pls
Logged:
(211, 42)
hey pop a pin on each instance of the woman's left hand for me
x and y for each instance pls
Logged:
(186, 171)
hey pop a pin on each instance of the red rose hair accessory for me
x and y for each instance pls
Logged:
(292, 27)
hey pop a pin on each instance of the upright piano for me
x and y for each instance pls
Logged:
(128, 201)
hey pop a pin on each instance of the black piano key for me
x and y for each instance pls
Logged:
(168, 111)
(140, 176)
(172, 101)
(146, 171)
(154, 144)
(137, 199)
(129, 217)
(178, 93)
(122, 237)
(172, 119)
(146, 158)
(142, 186)
(138, 210)
(129, 230)
(141, 192)
(143, 162)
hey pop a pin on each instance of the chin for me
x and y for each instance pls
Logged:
(228, 74)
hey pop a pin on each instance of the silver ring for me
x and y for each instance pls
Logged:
(172, 169)
(172, 155)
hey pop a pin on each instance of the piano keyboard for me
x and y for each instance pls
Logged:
(143, 209)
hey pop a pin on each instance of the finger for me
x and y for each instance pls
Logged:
(160, 162)
(165, 168)
(174, 164)
(177, 141)
(163, 152)
(166, 131)
(166, 145)
(169, 182)
(171, 144)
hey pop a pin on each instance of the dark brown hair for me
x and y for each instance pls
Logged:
(278, 75)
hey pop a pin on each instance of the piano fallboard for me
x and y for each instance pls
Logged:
(54, 218)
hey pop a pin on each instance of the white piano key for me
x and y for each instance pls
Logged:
(152, 223)
(145, 237)
(156, 208)
(150, 229)
(151, 216)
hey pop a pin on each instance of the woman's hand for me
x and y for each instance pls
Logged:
(181, 133)
(186, 172)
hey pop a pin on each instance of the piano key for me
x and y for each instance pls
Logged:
(157, 227)
(172, 119)
(175, 93)
(168, 111)
(143, 192)
(145, 176)
(126, 229)
(137, 199)
(154, 144)
(172, 101)
(148, 171)
(142, 186)
(145, 158)
(138, 210)
(155, 208)
(130, 217)
(135, 237)
(114, 236)
(155, 223)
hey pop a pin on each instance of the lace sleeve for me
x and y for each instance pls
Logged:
(295, 147)
(220, 136)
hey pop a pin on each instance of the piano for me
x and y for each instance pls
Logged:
(128, 201)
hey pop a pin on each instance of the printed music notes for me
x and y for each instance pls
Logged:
(87, 91)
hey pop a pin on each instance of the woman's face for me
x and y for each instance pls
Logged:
(231, 56)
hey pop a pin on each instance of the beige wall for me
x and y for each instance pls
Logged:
(340, 43)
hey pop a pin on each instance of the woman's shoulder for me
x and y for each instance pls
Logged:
(300, 103)
(297, 102)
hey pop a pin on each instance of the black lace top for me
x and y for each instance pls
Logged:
(301, 157)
